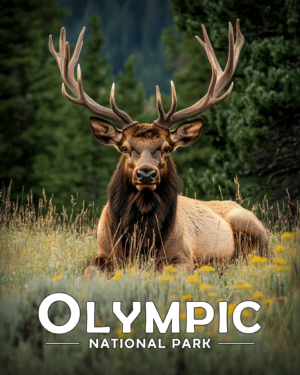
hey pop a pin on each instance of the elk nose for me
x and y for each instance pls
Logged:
(146, 178)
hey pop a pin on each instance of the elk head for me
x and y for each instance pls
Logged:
(145, 148)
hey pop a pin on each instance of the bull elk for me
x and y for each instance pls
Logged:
(144, 212)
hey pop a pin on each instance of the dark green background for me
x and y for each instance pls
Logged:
(46, 142)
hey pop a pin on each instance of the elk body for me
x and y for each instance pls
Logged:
(144, 213)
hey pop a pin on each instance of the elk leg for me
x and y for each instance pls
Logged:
(248, 231)
(99, 264)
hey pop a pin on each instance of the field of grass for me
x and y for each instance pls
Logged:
(43, 252)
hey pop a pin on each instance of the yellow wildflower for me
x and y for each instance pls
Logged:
(24, 252)
(227, 287)
(118, 274)
(132, 271)
(212, 295)
(246, 286)
(204, 287)
(242, 286)
(238, 286)
(182, 316)
(268, 302)
(242, 281)
(57, 278)
(279, 268)
(199, 310)
(165, 278)
(258, 260)
(231, 307)
(198, 328)
(245, 313)
(187, 296)
(193, 279)
(279, 261)
(257, 295)
(121, 334)
(279, 249)
(171, 269)
(206, 269)
(287, 235)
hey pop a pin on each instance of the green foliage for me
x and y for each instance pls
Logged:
(72, 163)
(44, 253)
(256, 130)
(25, 27)
(130, 92)
(45, 140)
(49, 144)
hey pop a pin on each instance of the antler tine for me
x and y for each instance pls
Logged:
(174, 102)
(212, 85)
(67, 66)
(218, 81)
(81, 100)
(78, 48)
(209, 49)
(163, 118)
(238, 43)
(159, 106)
(62, 40)
(230, 66)
(52, 49)
(123, 115)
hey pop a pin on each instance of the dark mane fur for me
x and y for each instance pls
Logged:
(142, 220)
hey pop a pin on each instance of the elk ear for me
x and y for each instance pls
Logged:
(105, 132)
(186, 133)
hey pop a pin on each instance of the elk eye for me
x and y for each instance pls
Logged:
(124, 149)
(167, 150)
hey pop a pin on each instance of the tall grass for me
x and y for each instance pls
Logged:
(43, 252)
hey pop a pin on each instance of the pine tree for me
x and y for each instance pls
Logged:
(75, 163)
(256, 130)
(191, 79)
(130, 93)
(25, 26)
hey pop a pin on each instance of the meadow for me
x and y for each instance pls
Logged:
(44, 252)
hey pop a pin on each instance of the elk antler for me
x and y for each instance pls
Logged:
(218, 81)
(67, 72)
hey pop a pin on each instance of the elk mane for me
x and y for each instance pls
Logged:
(142, 217)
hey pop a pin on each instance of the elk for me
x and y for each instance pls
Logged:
(145, 213)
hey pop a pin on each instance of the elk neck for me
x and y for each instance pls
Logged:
(144, 218)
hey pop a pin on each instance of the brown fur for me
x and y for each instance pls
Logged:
(144, 213)
(174, 229)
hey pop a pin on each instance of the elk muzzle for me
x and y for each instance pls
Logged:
(146, 178)
(146, 173)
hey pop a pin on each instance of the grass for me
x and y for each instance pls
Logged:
(43, 252)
